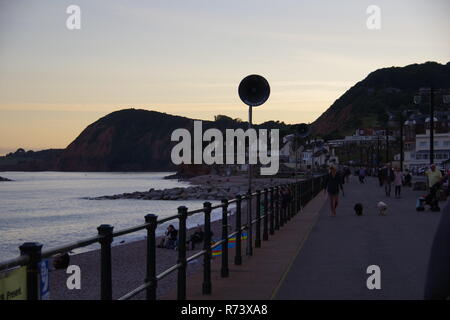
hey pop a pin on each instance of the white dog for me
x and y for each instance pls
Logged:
(382, 208)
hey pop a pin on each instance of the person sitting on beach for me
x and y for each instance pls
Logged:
(196, 237)
(170, 239)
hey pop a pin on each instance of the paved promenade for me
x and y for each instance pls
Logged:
(332, 263)
(316, 256)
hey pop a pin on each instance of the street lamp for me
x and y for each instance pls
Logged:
(399, 118)
(418, 99)
(253, 90)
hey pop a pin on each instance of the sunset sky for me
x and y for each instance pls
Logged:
(188, 57)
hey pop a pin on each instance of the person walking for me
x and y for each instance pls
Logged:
(380, 176)
(408, 179)
(347, 174)
(434, 177)
(362, 174)
(388, 178)
(332, 185)
(398, 181)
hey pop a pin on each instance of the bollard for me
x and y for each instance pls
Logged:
(151, 219)
(181, 283)
(224, 269)
(238, 251)
(206, 286)
(266, 215)
(33, 250)
(258, 220)
(106, 233)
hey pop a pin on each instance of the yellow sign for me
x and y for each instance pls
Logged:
(13, 284)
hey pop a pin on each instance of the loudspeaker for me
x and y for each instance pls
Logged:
(254, 90)
(302, 130)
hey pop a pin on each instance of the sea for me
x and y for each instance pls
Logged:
(51, 207)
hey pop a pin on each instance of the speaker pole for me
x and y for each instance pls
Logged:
(249, 250)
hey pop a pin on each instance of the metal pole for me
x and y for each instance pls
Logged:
(238, 252)
(249, 250)
(181, 281)
(266, 215)
(401, 145)
(224, 269)
(207, 287)
(387, 145)
(272, 211)
(106, 231)
(378, 150)
(33, 250)
(258, 219)
(277, 209)
(151, 256)
(431, 126)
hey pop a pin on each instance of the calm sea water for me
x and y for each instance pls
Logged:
(48, 207)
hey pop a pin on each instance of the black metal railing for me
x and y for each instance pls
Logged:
(275, 215)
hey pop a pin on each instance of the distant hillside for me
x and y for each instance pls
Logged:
(365, 104)
(30, 160)
(135, 140)
(139, 140)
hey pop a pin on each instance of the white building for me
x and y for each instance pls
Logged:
(419, 157)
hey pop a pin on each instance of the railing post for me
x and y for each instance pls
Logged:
(282, 209)
(106, 233)
(249, 250)
(207, 287)
(181, 283)
(224, 269)
(287, 216)
(266, 216)
(277, 208)
(272, 211)
(238, 251)
(150, 219)
(258, 220)
(291, 200)
(33, 250)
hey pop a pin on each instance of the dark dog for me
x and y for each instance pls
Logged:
(358, 209)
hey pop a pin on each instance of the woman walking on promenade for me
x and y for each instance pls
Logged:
(398, 181)
(333, 182)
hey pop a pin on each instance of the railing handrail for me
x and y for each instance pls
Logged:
(105, 239)
(22, 260)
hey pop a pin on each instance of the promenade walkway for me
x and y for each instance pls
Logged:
(332, 264)
(316, 256)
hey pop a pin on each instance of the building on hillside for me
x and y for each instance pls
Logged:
(419, 156)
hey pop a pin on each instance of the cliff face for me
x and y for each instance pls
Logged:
(138, 140)
(388, 89)
(126, 140)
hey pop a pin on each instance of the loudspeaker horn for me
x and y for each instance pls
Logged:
(254, 90)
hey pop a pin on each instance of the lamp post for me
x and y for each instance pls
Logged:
(432, 92)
